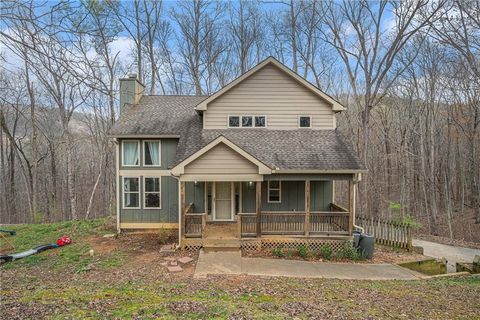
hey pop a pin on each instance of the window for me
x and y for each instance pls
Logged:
(304, 122)
(274, 191)
(260, 122)
(234, 121)
(131, 193)
(152, 197)
(151, 153)
(247, 121)
(130, 153)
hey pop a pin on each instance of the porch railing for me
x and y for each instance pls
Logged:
(194, 224)
(283, 222)
(294, 223)
(325, 222)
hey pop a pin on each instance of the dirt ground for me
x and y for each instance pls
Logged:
(125, 279)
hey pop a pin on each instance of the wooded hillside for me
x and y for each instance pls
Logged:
(408, 71)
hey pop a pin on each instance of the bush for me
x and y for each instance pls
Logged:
(278, 252)
(348, 252)
(326, 252)
(303, 251)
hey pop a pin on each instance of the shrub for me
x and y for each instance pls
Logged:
(326, 252)
(278, 252)
(303, 251)
(349, 252)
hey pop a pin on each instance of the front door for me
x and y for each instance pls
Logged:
(223, 201)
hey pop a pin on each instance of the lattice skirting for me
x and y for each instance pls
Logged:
(191, 244)
(292, 244)
(271, 243)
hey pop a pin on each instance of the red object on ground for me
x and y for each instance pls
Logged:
(64, 241)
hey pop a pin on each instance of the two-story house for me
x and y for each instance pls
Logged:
(250, 166)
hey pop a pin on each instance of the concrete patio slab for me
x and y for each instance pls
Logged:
(234, 264)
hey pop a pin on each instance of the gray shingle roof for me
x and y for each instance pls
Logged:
(283, 149)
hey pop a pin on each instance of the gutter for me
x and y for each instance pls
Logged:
(357, 178)
(179, 244)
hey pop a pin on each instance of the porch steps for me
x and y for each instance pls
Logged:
(225, 244)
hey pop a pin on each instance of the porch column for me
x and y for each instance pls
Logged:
(307, 207)
(182, 208)
(258, 201)
(351, 206)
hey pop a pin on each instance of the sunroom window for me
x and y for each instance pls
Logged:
(274, 191)
(131, 193)
(130, 153)
(151, 153)
(152, 196)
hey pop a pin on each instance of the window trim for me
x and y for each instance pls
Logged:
(279, 191)
(259, 115)
(123, 192)
(123, 153)
(304, 116)
(159, 194)
(239, 121)
(159, 153)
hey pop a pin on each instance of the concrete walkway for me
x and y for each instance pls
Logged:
(233, 263)
(451, 253)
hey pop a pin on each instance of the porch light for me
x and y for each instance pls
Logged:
(195, 183)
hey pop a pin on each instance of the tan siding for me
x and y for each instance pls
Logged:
(273, 93)
(221, 159)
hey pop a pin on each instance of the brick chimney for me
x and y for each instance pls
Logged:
(131, 90)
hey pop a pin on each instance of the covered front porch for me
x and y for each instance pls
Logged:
(215, 212)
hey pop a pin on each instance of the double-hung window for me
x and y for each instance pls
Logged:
(130, 153)
(151, 153)
(131, 193)
(152, 195)
(274, 191)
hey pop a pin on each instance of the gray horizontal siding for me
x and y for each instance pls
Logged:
(167, 214)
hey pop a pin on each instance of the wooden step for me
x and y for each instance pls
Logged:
(221, 244)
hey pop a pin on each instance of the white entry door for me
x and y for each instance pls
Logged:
(223, 209)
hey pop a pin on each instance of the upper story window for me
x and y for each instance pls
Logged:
(247, 121)
(304, 121)
(151, 153)
(274, 191)
(234, 121)
(131, 153)
(260, 121)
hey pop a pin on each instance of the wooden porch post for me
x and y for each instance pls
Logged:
(182, 208)
(351, 205)
(258, 201)
(307, 207)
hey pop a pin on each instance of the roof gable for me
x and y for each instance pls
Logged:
(179, 169)
(336, 106)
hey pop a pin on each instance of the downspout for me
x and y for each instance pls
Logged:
(356, 179)
(179, 244)
(117, 176)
